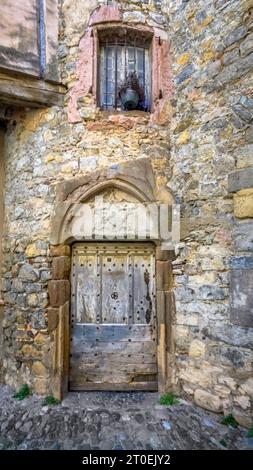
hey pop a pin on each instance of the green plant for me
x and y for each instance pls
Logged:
(229, 420)
(223, 443)
(168, 399)
(23, 392)
(250, 432)
(50, 400)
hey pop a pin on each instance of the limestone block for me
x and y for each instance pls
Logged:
(61, 267)
(41, 386)
(53, 318)
(242, 417)
(40, 370)
(222, 391)
(28, 273)
(247, 45)
(59, 292)
(241, 179)
(187, 320)
(243, 203)
(199, 377)
(60, 250)
(242, 401)
(197, 348)
(209, 401)
(32, 300)
(241, 303)
(247, 387)
(164, 275)
(228, 381)
(33, 250)
(182, 339)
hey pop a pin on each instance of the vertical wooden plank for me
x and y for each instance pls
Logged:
(143, 291)
(115, 298)
(131, 288)
(86, 288)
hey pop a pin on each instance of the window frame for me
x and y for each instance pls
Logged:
(143, 41)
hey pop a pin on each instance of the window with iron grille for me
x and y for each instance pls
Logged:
(125, 75)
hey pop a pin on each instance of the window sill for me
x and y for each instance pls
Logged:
(135, 113)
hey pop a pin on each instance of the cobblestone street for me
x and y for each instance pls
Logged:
(110, 420)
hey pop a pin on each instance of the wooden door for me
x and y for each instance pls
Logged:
(113, 321)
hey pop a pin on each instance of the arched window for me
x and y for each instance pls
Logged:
(124, 70)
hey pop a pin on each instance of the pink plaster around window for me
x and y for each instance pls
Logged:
(106, 14)
(162, 88)
(162, 83)
(85, 72)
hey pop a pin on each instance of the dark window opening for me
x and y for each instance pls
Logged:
(125, 72)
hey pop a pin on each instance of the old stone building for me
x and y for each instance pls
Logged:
(124, 313)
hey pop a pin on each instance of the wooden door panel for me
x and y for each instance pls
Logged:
(86, 285)
(143, 289)
(114, 339)
(115, 288)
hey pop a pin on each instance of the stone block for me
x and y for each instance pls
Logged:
(244, 156)
(247, 387)
(59, 292)
(242, 417)
(182, 339)
(241, 262)
(40, 370)
(243, 236)
(32, 300)
(209, 401)
(53, 318)
(247, 45)
(235, 35)
(241, 298)
(36, 249)
(60, 250)
(230, 56)
(41, 386)
(241, 179)
(243, 203)
(61, 267)
(185, 74)
(197, 349)
(164, 275)
(28, 273)
(212, 292)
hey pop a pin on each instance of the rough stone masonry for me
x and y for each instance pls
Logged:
(199, 139)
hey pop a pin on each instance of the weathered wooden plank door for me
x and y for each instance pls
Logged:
(113, 321)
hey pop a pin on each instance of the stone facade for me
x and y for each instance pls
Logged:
(199, 141)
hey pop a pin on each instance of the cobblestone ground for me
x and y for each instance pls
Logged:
(108, 420)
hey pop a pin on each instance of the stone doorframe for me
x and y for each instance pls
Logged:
(137, 179)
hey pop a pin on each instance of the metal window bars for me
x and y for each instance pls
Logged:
(119, 57)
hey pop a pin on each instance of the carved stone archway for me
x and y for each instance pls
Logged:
(137, 180)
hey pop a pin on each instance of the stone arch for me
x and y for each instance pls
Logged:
(135, 180)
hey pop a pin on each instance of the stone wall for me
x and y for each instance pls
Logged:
(44, 148)
(200, 135)
(211, 137)
(2, 172)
